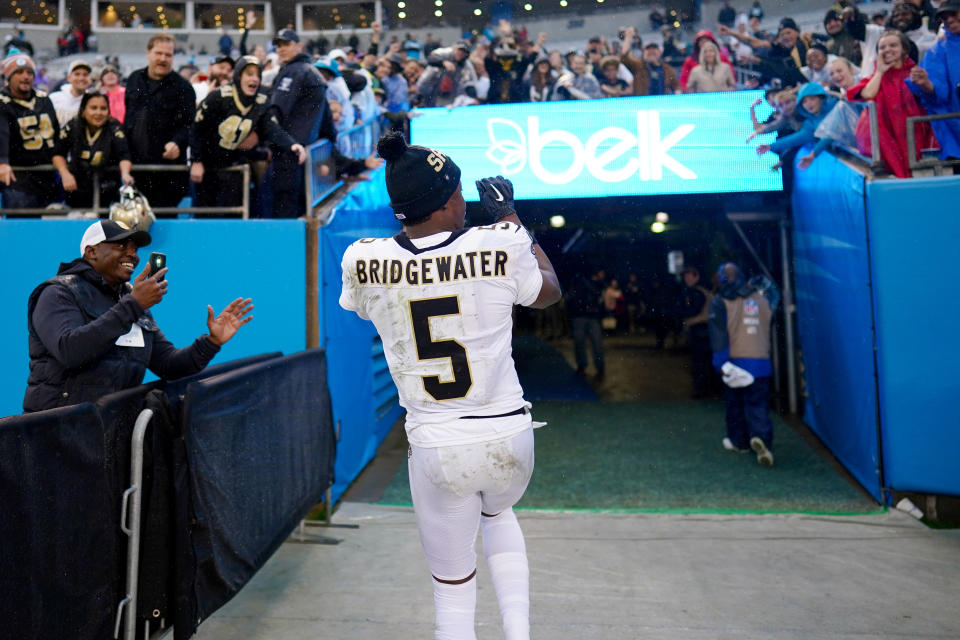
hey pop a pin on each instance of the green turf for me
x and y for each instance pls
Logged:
(667, 457)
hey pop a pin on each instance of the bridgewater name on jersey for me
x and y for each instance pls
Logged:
(443, 306)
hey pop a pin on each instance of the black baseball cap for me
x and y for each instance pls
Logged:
(286, 35)
(950, 6)
(111, 231)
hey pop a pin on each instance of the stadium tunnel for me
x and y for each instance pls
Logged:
(635, 439)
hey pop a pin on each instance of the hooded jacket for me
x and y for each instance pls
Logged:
(807, 132)
(942, 64)
(739, 322)
(74, 322)
(694, 58)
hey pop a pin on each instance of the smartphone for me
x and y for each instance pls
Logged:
(157, 262)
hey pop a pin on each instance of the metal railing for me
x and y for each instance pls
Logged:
(320, 178)
(359, 141)
(97, 207)
(925, 164)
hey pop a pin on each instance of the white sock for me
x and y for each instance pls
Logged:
(455, 606)
(506, 555)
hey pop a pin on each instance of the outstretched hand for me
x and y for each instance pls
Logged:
(225, 325)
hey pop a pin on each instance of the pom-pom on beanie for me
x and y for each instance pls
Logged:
(419, 180)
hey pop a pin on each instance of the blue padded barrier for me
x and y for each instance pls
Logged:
(914, 228)
(365, 402)
(832, 278)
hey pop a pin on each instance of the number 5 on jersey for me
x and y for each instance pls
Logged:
(429, 349)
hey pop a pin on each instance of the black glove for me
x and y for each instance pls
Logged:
(496, 197)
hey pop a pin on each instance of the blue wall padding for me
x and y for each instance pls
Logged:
(364, 397)
(211, 262)
(832, 278)
(914, 230)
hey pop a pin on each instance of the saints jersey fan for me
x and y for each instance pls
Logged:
(28, 132)
(230, 122)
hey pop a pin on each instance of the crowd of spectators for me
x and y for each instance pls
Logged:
(300, 92)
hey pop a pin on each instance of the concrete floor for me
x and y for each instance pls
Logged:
(624, 576)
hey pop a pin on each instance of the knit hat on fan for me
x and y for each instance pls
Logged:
(419, 180)
(15, 62)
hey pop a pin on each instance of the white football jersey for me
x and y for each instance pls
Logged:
(443, 307)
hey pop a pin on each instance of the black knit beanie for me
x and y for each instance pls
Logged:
(419, 180)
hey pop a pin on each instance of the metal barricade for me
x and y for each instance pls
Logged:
(321, 174)
(359, 141)
(130, 516)
(99, 208)
(934, 165)
(743, 74)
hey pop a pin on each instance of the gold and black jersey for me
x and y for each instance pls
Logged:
(28, 129)
(223, 122)
(87, 150)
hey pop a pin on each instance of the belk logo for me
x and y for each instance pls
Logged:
(512, 148)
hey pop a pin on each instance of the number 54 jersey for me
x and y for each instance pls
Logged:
(443, 307)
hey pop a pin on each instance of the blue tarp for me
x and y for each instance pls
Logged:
(365, 404)
(834, 315)
(260, 445)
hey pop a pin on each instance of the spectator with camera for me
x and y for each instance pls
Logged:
(28, 133)
(449, 78)
(91, 332)
(92, 143)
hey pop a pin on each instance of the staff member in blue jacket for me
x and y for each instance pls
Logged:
(91, 332)
(739, 322)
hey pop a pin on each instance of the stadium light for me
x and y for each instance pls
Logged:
(402, 15)
(658, 227)
(563, 3)
(528, 7)
(438, 13)
(557, 221)
(663, 216)
(439, 3)
(401, 5)
(477, 12)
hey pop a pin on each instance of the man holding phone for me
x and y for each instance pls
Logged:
(91, 332)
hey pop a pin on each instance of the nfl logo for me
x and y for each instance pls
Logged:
(751, 308)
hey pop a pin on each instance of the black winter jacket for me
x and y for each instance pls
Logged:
(158, 112)
(74, 322)
(299, 96)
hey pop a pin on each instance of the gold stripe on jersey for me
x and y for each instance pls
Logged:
(470, 265)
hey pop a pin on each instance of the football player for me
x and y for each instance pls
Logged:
(228, 125)
(441, 297)
(28, 132)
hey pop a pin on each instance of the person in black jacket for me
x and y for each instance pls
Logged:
(299, 98)
(91, 333)
(28, 132)
(228, 123)
(92, 142)
(160, 107)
